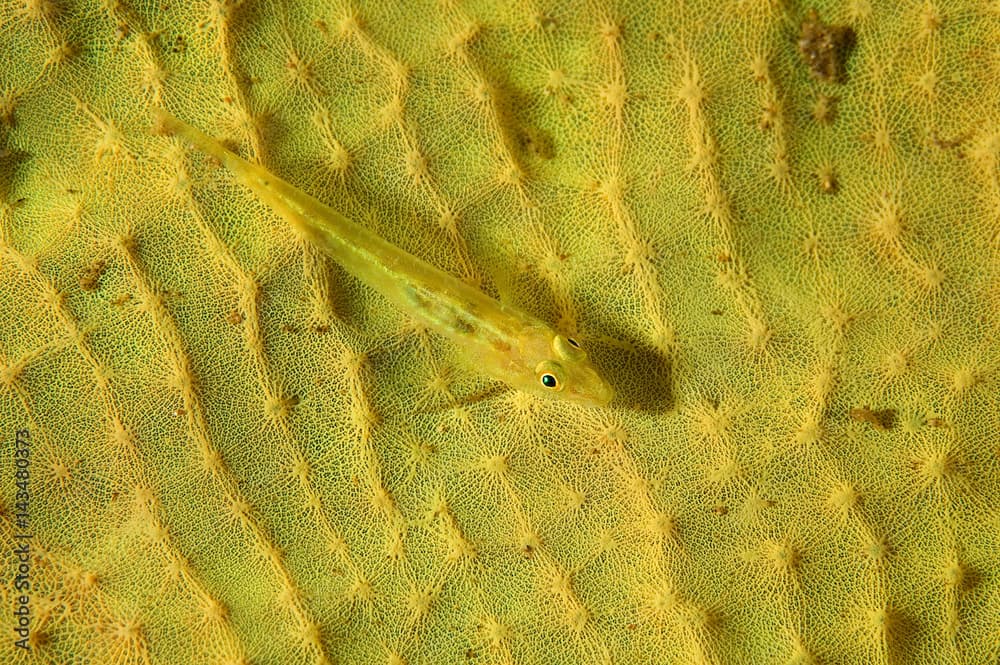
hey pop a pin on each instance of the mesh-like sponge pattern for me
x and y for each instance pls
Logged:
(241, 455)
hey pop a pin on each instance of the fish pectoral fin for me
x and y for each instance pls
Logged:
(493, 390)
(495, 285)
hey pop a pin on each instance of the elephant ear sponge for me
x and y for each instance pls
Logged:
(775, 227)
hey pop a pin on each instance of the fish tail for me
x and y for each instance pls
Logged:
(272, 190)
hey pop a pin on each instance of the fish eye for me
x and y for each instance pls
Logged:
(550, 374)
(567, 348)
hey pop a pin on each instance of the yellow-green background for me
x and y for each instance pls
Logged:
(241, 455)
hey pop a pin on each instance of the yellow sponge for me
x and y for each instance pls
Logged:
(777, 229)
